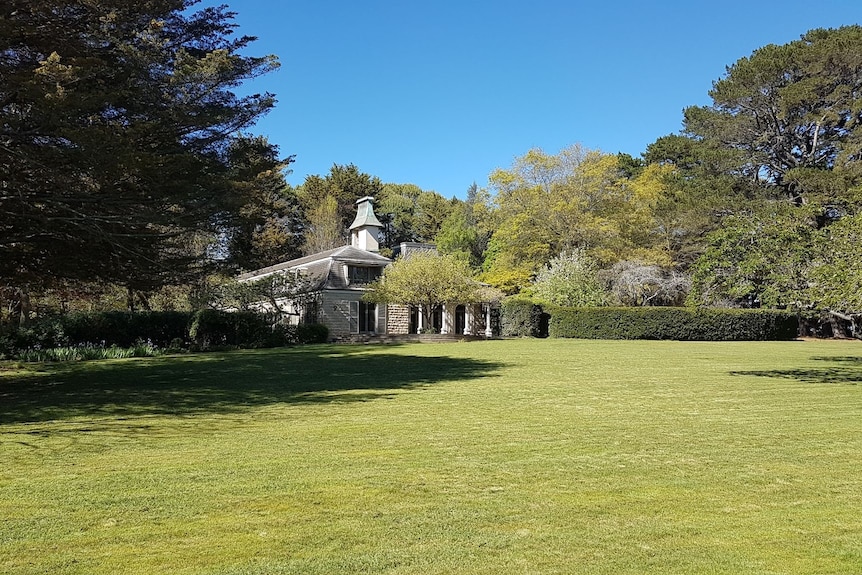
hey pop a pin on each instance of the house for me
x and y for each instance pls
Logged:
(335, 281)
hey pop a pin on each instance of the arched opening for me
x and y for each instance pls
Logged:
(460, 319)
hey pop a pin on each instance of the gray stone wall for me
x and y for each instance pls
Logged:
(335, 313)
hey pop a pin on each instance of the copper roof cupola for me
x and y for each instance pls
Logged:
(364, 229)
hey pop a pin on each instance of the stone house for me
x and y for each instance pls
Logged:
(335, 281)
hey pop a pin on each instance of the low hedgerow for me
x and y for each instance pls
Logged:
(684, 324)
(99, 329)
(124, 329)
(105, 335)
(211, 328)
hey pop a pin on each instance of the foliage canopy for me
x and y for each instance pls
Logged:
(117, 139)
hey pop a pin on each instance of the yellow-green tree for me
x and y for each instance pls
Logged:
(325, 230)
(576, 199)
(426, 279)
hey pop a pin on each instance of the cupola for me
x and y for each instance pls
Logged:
(366, 226)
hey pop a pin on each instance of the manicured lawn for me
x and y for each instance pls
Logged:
(553, 456)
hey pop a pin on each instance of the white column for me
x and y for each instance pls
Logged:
(421, 320)
(468, 319)
(446, 326)
(488, 332)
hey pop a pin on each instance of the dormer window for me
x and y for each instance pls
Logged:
(362, 275)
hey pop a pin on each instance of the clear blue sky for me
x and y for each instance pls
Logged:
(440, 93)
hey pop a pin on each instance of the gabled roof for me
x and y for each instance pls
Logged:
(319, 269)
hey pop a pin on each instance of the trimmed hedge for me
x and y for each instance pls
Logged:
(124, 329)
(521, 317)
(213, 328)
(685, 324)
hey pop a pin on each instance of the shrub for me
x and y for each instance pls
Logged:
(47, 333)
(213, 328)
(311, 333)
(571, 279)
(673, 323)
(521, 317)
(125, 328)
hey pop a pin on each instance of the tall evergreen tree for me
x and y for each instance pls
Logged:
(790, 116)
(116, 123)
(345, 184)
(790, 111)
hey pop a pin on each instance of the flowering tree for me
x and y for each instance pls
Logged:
(570, 280)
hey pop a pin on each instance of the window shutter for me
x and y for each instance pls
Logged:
(354, 317)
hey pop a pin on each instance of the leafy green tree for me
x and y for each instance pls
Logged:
(458, 238)
(411, 214)
(345, 184)
(267, 227)
(571, 280)
(836, 276)
(396, 209)
(702, 184)
(467, 229)
(762, 258)
(116, 122)
(426, 279)
(787, 121)
(433, 209)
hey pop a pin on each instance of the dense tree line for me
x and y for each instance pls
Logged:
(756, 203)
(129, 179)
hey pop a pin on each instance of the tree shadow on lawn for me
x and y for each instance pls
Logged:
(222, 382)
(848, 371)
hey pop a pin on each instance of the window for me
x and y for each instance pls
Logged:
(359, 275)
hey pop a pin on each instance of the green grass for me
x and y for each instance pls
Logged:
(526, 456)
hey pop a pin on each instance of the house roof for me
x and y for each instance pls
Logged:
(320, 269)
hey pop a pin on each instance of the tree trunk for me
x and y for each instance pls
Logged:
(427, 317)
(837, 328)
(24, 307)
(144, 300)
